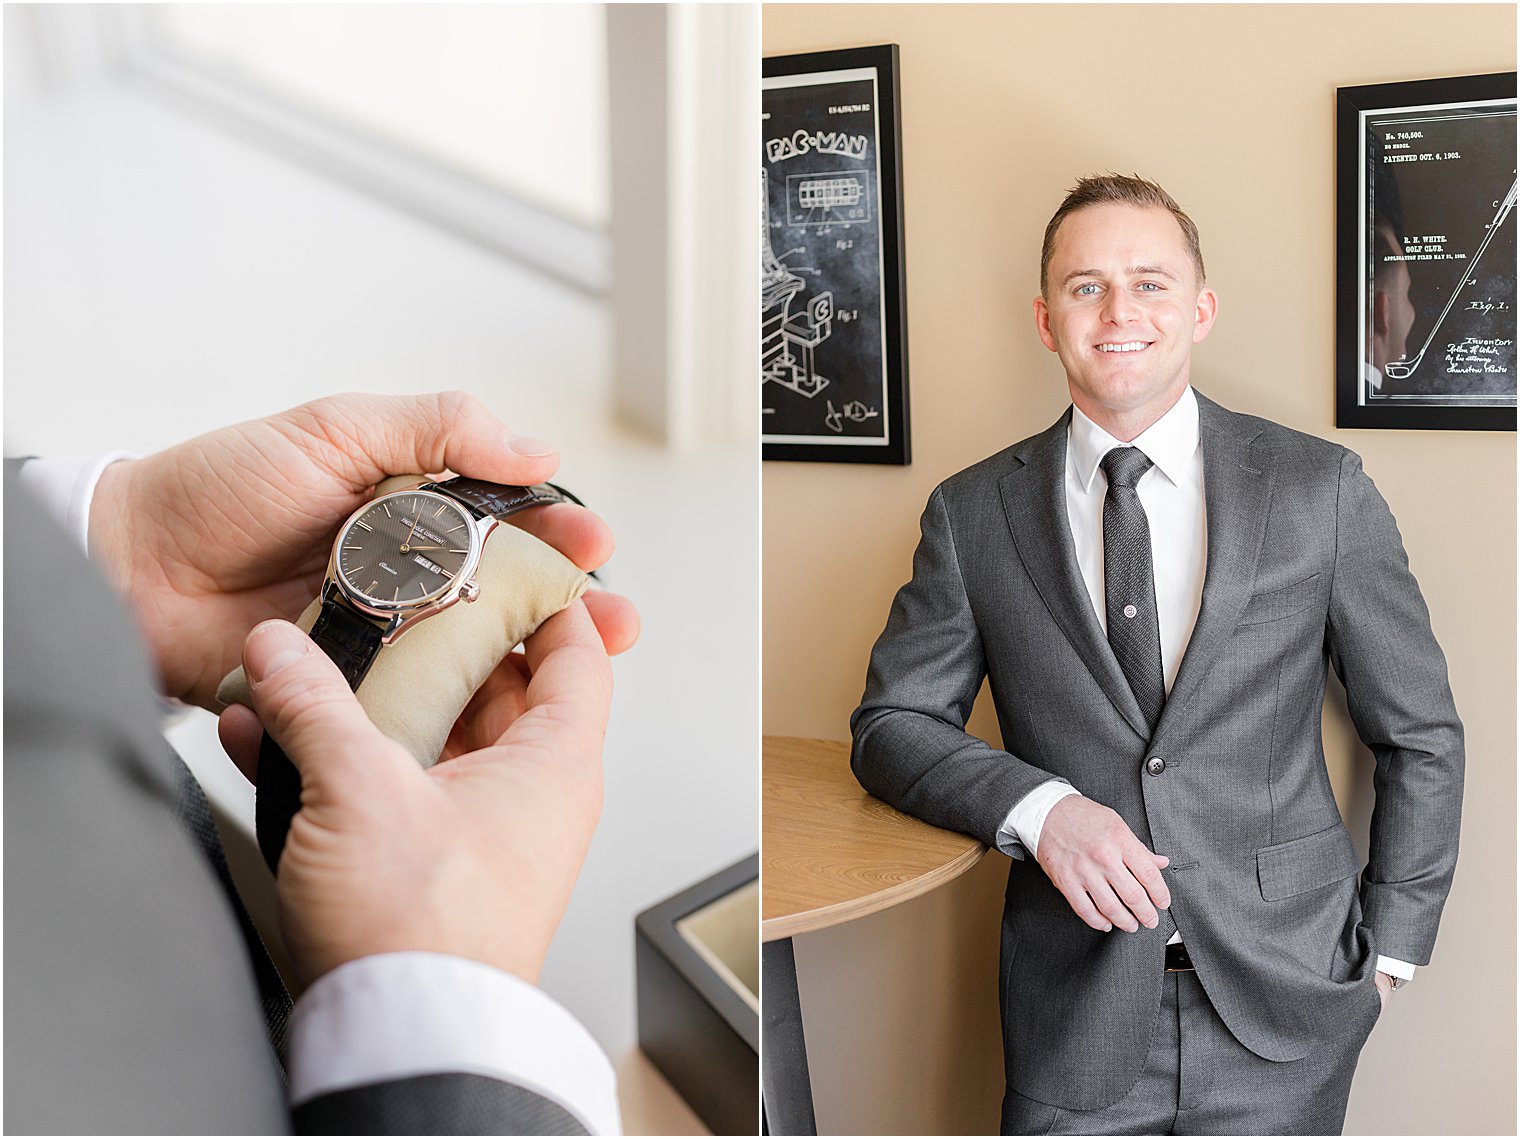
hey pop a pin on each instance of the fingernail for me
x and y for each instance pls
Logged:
(271, 647)
(529, 447)
(1108, 929)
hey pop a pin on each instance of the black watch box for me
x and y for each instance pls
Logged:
(698, 979)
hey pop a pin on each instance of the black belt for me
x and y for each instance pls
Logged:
(1177, 959)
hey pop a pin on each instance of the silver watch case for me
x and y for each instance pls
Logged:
(395, 618)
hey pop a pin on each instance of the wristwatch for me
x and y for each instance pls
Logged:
(398, 560)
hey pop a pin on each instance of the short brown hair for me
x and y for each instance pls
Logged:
(1098, 189)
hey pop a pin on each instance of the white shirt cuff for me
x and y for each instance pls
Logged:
(66, 486)
(396, 1015)
(1395, 968)
(1021, 829)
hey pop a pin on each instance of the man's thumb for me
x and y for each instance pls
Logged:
(304, 702)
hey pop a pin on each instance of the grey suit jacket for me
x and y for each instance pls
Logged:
(1305, 567)
(132, 1000)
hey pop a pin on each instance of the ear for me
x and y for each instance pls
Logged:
(1204, 313)
(1042, 323)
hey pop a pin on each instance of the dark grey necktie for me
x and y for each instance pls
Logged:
(195, 815)
(1129, 583)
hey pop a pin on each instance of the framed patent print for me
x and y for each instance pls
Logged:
(833, 336)
(1425, 258)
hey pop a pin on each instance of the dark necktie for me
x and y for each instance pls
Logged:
(195, 815)
(1129, 583)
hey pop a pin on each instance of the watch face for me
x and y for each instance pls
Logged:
(405, 548)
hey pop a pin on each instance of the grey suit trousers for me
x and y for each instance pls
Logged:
(1199, 1080)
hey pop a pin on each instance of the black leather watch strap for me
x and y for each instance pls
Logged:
(498, 500)
(349, 639)
(352, 643)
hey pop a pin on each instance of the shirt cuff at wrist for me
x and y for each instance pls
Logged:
(66, 486)
(396, 1015)
(1395, 968)
(1021, 829)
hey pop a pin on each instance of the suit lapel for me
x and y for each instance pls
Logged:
(1034, 499)
(1237, 489)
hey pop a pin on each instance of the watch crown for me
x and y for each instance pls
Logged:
(469, 591)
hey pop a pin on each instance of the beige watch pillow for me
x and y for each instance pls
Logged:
(420, 682)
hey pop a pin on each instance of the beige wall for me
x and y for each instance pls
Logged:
(1231, 108)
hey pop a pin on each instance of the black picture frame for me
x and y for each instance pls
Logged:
(834, 335)
(1425, 254)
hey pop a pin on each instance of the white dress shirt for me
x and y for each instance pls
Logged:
(395, 1015)
(1172, 494)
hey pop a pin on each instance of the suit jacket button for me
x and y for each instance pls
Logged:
(1155, 765)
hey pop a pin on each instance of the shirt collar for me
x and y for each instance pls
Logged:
(1169, 442)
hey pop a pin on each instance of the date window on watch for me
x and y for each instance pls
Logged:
(429, 564)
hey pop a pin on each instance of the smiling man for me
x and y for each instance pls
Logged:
(1154, 588)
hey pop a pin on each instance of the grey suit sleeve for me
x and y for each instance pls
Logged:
(445, 1103)
(130, 1002)
(910, 743)
(1382, 648)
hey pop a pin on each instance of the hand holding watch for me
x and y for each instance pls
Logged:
(399, 559)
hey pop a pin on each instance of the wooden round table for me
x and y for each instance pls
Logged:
(830, 853)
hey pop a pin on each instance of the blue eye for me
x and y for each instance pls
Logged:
(1150, 285)
(1086, 290)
